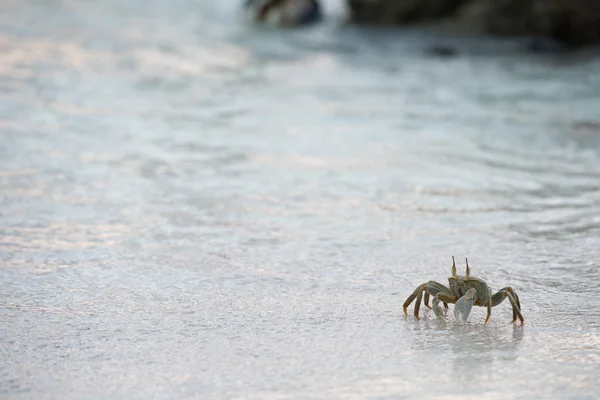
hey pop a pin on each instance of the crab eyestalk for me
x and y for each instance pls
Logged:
(468, 269)
(454, 268)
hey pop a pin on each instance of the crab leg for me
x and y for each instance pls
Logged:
(418, 294)
(517, 298)
(516, 308)
(440, 293)
(418, 303)
(489, 312)
(514, 301)
(434, 288)
(441, 296)
(488, 303)
(431, 288)
(426, 300)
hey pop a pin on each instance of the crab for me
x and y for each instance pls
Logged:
(464, 292)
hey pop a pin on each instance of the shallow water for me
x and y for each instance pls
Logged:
(194, 208)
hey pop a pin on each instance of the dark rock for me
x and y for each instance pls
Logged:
(441, 51)
(392, 12)
(284, 12)
(544, 45)
(574, 22)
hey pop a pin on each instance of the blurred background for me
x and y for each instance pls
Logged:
(196, 206)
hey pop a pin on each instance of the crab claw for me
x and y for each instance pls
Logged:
(435, 304)
(463, 306)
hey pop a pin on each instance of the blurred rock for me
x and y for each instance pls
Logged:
(284, 13)
(441, 51)
(543, 45)
(392, 12)
(575, 22)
